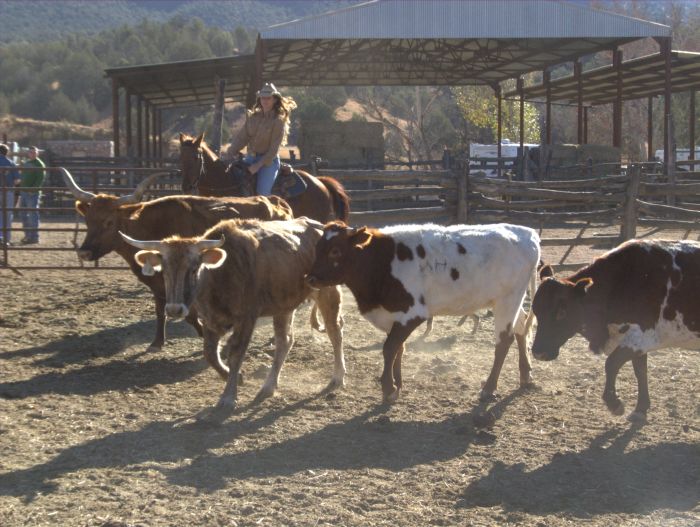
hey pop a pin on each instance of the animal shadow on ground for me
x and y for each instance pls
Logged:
(363, 441)
(99, 378)
(74, 349)
(601, 479)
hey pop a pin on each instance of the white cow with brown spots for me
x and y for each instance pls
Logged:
(403, 275)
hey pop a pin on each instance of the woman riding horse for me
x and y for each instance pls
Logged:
(265, 131)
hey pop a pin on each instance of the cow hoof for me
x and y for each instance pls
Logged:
(637, 417)
(527, 382)
(153, 348)
(264, 393)
(216, 415)
(335, 384)
(487, 397)
(616, 408)
(392, 397)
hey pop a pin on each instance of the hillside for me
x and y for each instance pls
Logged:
(43, 20)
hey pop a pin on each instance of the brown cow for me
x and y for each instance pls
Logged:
(235, 273)
(106, 215)
(640, 297)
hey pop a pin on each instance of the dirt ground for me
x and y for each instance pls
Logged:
(96, 432)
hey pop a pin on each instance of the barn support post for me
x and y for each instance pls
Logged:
(217, 125)
(160, 136)
(585, 125)
(548, 107)
(650, 129)
(147, 132)
(139, 129)
(628, 228)
(462, 192)
(523, 159)
(154, 136)
(115, 116)
(127, 125)
(691, 129)
(665, 48)
(578, 68)
(257, 78)
(499, 129)
(617, 105)
(671, 163)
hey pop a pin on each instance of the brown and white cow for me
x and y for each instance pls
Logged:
(233, 274)
(642, 296)
(403, 275)
(105, 215)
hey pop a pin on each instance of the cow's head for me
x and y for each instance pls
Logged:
(103, 214)
(335, 251)
(558, 306)
(181, 261)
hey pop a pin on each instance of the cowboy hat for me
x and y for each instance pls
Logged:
(268, 90)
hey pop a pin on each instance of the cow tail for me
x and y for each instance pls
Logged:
(529, 321)
(315, 322)
(341, 200)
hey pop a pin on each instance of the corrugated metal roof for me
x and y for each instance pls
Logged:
(458, 19)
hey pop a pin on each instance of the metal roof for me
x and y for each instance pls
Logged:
(441, 42)
(641, 77)
(470, 19)
(187, 83)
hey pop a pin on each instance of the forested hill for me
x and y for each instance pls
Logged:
(42, 20)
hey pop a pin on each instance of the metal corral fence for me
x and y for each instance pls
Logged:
(57, 209)
(640, 195)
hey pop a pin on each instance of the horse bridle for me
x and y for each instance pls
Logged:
(194, 186)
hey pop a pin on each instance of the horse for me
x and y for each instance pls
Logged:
(204, 173)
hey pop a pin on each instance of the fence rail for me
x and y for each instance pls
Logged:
(634, 197)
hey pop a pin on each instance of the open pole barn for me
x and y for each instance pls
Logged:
(100, 429)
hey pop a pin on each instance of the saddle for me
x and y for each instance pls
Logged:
(288, 183)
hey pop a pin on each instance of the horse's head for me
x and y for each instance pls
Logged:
(191, 161)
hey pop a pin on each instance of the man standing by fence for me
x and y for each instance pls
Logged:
(32, 179)
(9, 177)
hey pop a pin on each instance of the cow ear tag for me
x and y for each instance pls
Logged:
(147, 269)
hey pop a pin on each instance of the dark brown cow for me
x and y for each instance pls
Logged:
(640, 297)
(106, 215)
(235, 273)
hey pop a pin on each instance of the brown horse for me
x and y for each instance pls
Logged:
(205, 174)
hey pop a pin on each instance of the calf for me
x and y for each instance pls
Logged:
(235, 273)
(106, 215)
(640, 297)
(401, 276)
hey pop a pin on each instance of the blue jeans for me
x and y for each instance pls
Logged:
(266, 175)
(6, 218)
(30, 218)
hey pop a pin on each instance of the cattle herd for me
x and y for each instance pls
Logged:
(222, 262)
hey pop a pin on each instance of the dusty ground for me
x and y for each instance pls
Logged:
(93, 431)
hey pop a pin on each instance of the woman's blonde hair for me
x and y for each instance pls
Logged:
(283, 106)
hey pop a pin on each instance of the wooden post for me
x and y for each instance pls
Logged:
(617, 105)
(548, 108)
(499, 129)
(257, 80)
(665, 45)
(147, 131)
(671, 159)
(154, 135)
(585, 125)
(115, 116)
(127, 124)
(650, 129)
(521, 93)
(139, 128)
(462, 191)
(217, 125)
(691, 129)
(628, 228)
(578, 69)
(160, 136)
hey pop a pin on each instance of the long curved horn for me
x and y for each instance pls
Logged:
(204, 245)
(150, 245)
(79, 193)
(136, 196)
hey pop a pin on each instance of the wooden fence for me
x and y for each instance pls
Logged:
(595, 213)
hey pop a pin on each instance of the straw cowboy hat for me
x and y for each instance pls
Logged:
(268, 90)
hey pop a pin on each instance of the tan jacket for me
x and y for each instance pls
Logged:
(263, 134)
